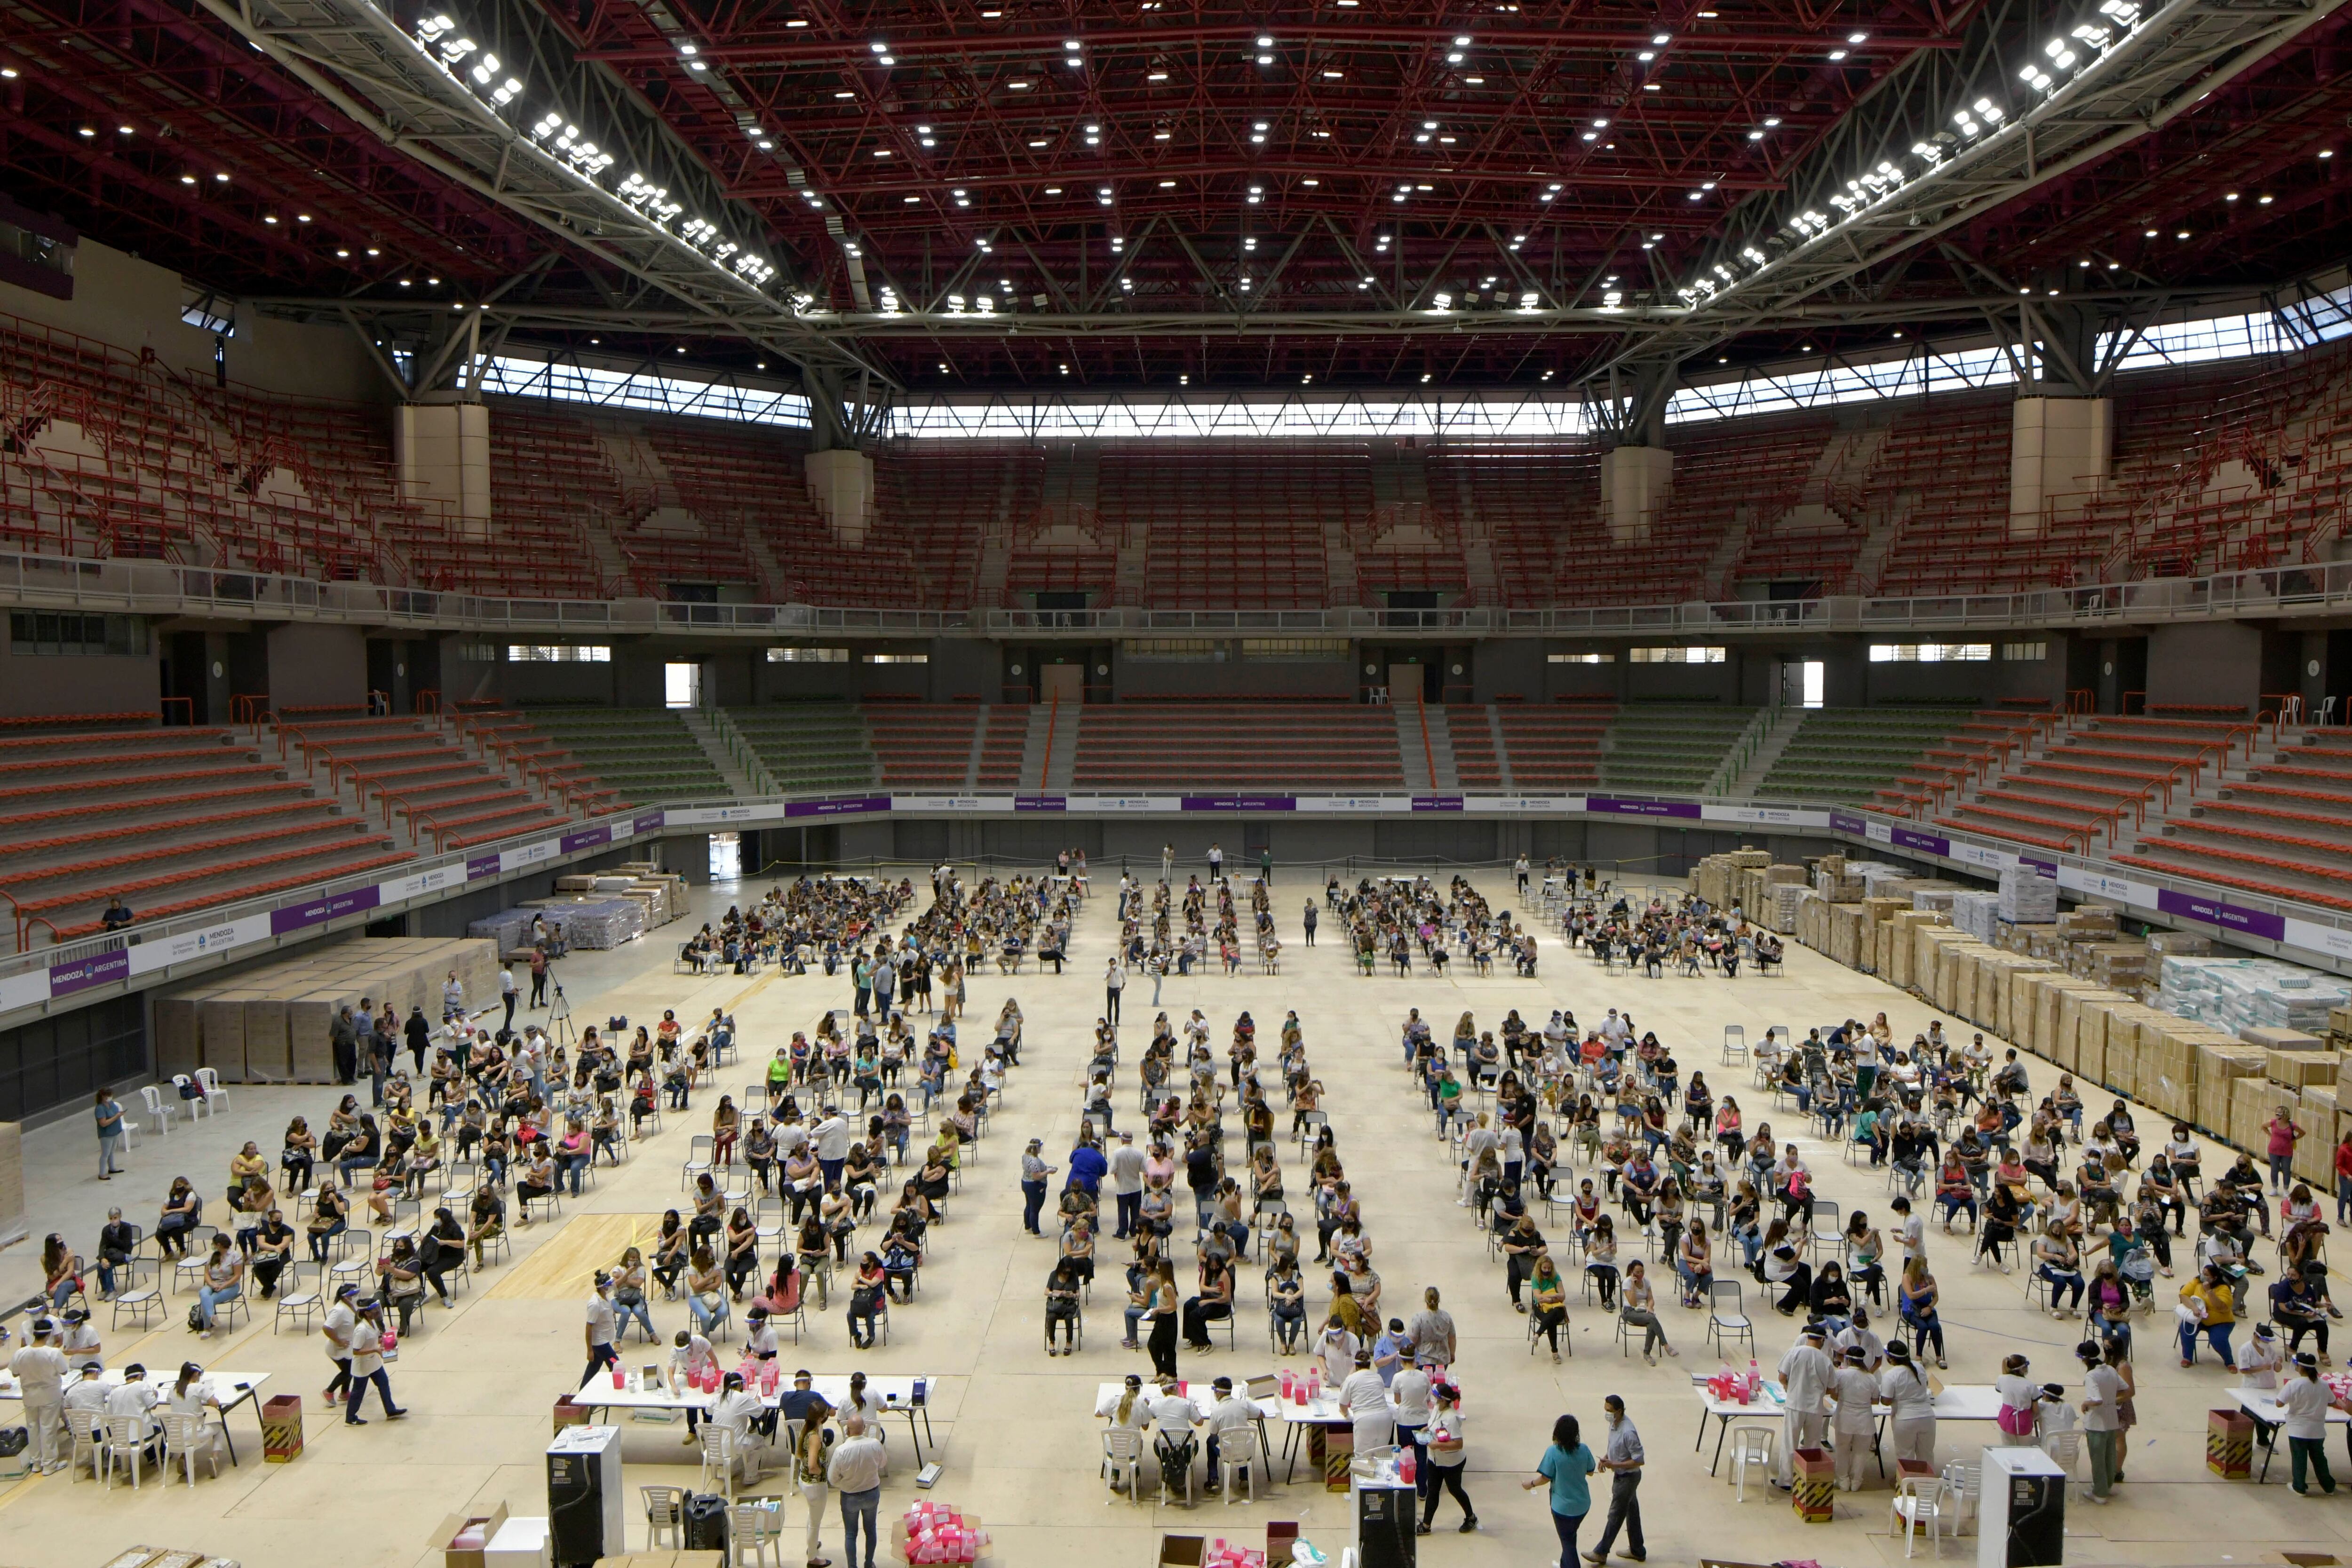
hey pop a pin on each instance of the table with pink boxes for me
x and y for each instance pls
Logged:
(938, 1532)
(632, 1388)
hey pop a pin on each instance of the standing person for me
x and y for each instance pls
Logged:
(367, 1366)
(2283, 1134)
(1520, 869)
(1114, 982)
(602, 1328)
(2308, 1402)
(1431, 1333)
(811, 1461)
(1623, 1461)
(2103, 1388)
(858, 1463)
(343, 1037)
(1308, 918)
(1447, 1458)
(1160, 1305)
(538, 977)
(1365, 1398)
(109, 1117)
(1127, 1164)
(336, 1327)
(40, 1370)
(1034, 1171)
(1266, 864)
(1216, 862)
(1856, 1421)
(453, 999)
(1167, 863)
(1566, 1467)
(509, 993)
(1905, 1387)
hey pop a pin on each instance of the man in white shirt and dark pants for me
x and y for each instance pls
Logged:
(1114, 982)
(1127, 1163)
(2308, 1402)
(507, 993)
(859, 1463)
(40, 1372)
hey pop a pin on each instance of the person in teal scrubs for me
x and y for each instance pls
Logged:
(1566, 1467)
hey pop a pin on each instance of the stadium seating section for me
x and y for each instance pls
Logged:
(2216, 467)
(926, 745)
(169, 820)
(1172, 747)
(1850, 754)
(808, 748)
(419, 771)
(2285, 831)
(642, 754)
(1670, 748)
(2092, 787)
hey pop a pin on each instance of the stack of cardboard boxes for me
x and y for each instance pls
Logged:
(271, 1024)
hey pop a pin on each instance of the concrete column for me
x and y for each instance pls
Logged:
(442, 451)
(1634, 481)
(841, 482)
(2061, 450)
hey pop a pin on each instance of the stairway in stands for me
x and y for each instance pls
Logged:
(170, 820)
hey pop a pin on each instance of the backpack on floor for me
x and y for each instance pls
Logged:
(705, 1522)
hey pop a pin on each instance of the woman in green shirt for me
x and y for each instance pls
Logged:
(1565, 1467)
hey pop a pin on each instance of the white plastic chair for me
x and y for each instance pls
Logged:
(719, 1454)
(198, 1106)
(1735, 1043)
(1919, 1503)
(665, 1514)
(1122, 1452)
(1237, 1451)
(1966, 1479)
(757, 1535)
(1751, 1449)
(126, 1441)
(2064, 1447)
(153, 1098)
(86, 1439)
(214, 1095)
(186, 1439)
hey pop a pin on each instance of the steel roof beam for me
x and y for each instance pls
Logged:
(359, 59)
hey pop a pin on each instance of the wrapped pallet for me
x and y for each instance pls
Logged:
(2089, 922)
(2123, 965)
(2271, 1039)
(1901, 949)
(1847, 922)
(2179, 944)
(2254, 1099)
(2299, 1069)
(2130, 1048)
(2314, 1156)
(1782, 903)
(2067, 1026)
(1974, 913)
(2019, 994)
(2219, 1069)
(2027, 897)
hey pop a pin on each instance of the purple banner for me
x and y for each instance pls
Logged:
(1239, 803)
(105, 968)
(2230, 917)
(480, 866)
(648, 822)
(1847, 822)
(846, 806)
(584, 839)
(2041, 868)
(318, 912)
(1613, 805)
(1437, 803)
(1925, 843)
(1041, 803)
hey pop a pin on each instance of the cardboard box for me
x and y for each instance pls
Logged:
(1182, 1551)
(281, 1429)
(1814, 1492)
(2282, 1039)
(2302, 1069)
(2230, 1444)
(450, 1528)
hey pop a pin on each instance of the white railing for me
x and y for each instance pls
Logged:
(159, 587)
